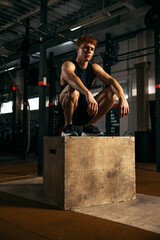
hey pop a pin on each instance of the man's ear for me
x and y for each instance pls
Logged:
(77, 49)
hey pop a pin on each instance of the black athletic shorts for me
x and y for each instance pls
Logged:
(80, 116)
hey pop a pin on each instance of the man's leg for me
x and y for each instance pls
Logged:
(105, 99)
(69, 102)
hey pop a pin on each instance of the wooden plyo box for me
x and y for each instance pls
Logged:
(87, 171)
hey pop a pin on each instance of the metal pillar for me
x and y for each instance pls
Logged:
(52, 93)
(157, 82)
(24, 64)
(42, 92)
(107, 68)
(142, 96)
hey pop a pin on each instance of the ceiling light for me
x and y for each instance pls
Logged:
(75, 28)
(93, 20)
(9, 69)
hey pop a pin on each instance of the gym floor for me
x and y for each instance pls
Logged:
(26, 214)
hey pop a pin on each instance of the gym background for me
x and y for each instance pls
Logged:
(36, 40)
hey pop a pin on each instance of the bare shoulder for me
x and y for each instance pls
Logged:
(97, 68)
(67, 68)
(68, 65)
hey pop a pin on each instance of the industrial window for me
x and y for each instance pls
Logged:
(6, 107)
(34, 103)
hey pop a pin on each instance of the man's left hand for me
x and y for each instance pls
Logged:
(123, 107)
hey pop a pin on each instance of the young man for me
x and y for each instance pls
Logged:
(77, 102)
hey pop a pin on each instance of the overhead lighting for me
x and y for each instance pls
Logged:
(90, 21)
(9, 69)
(112, 11)
(75, 28)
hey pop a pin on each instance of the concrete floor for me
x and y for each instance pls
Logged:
(143, 213)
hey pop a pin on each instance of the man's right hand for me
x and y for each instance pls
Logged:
(92, 104)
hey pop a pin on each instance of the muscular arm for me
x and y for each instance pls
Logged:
(68, 75)
(115, 87)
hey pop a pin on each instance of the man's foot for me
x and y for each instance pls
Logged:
(69, 130)
(91, 130)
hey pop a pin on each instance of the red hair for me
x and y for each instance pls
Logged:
(86, 38)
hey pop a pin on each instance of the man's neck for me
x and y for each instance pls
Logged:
(82, 64)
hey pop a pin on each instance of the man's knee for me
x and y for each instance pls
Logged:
(110, 94)
(69, 95)
(73, 94)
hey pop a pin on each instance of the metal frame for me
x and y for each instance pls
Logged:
(42, 92)
(25, 99)
(157, 82)
(52, 93)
